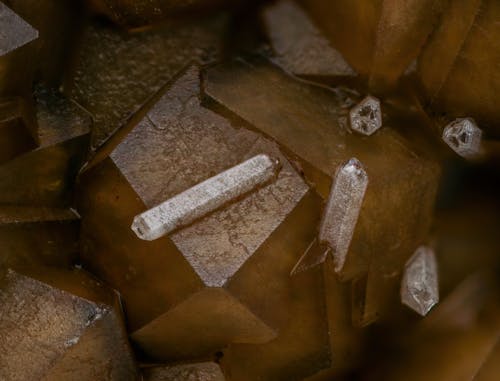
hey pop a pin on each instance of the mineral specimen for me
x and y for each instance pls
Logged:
(217, 276)
(204, 371)
(464, 137)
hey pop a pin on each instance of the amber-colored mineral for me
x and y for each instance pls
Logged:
(214, 281)
(52, 322)
(205, 371)
(45, 175)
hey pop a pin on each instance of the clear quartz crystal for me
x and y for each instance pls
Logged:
(366, 116)
(342, 210)
(205, 197)
(420, 288)
(463, 136)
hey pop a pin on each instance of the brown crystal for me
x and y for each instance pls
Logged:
(205, 371)
(217, 277)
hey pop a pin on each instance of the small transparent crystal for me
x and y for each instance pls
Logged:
(463, 136)
(419, 287)
(366, 116)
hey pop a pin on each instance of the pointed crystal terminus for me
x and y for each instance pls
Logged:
(339, 217)
(419, 287)
(463, 136)
(342, 210)
(205, 197)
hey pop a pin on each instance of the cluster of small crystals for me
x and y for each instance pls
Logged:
(205, 190)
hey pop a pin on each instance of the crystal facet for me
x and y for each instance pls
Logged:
(464, 137)
(366, 117)
(204, 371)
(419, 287)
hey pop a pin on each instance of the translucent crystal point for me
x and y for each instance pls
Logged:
(463, 136)
(419, 288)
(342, 210)
(366, 117)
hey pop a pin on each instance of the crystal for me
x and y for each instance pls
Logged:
(299, 46)
(53, 321)
(464, 137)
(17, 128)
(34, 236)
(205, 197)
(310, 122)
(204, 371)
(143, 63)
(366, 116)
(419, 286)
(302, 348)
(44, 176)
(212, 282)
(459, 64)
(379, 39)
(16, 49)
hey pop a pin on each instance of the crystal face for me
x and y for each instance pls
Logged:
(47, 331)
(205, 197)
(15, 31)
(464, 137)
(419, 287)
(299, 46)
(366, 117)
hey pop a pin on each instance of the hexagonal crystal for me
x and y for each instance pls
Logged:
(463, 136)
(366, 116)
(419, 287)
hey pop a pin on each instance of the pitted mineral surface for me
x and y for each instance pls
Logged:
(366, 116)
(464, 137)
(205, 371)
(14, 31)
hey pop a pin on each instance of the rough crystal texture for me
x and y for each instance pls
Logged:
(459, 65)
(45, 175)
(299, 46)
(17, 128)
(311, 124)
(464, 137)
(15, 31)
(204, 371)
(205, 197)
(419, 286)
(223, 249)
(44, 330)
(366, 116)
(378, 38)
(117, 73)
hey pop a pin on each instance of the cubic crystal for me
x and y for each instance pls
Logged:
(464, 137)
(419, 286)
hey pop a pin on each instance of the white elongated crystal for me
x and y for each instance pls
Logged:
(419, 286)
(463, 136)
(342, 210)
(205, 197)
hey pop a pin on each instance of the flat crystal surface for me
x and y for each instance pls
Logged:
(205, 371)
(366, 116)
(342, 210)
(299, 45)
(464, 137)
(14, 31)
(419, 286)
(205, 197)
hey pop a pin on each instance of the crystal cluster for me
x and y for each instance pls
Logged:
(289, 190)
